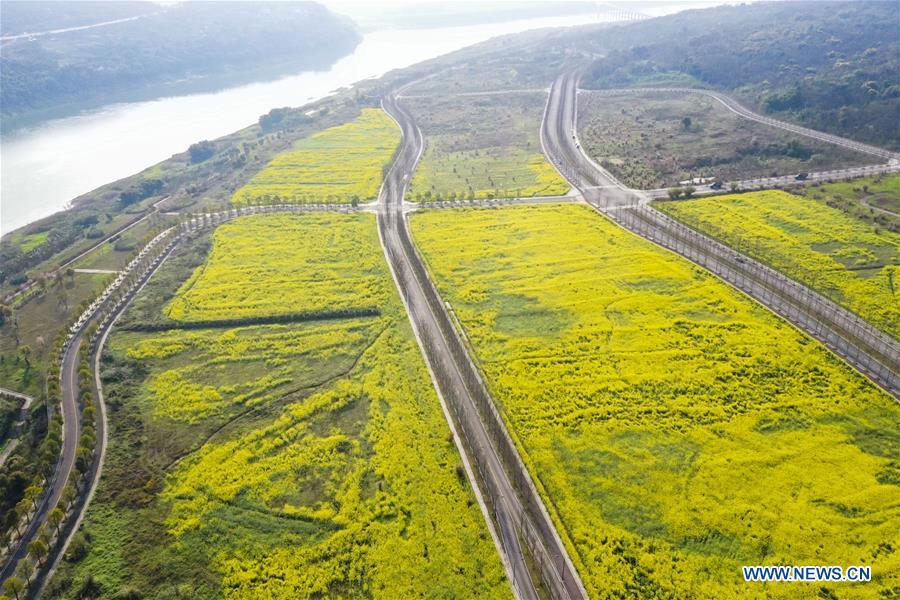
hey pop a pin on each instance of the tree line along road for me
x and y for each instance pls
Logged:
(869, 350)
(535, 557)
(69, 409)
(516, 511)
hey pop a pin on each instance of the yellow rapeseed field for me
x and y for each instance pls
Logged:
(850, 261)
(334, 165)
(276, 264)
(676, 429)
(314, 459)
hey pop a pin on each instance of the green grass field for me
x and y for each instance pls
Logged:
(36, 323)
(281, 461)
(482, 147)
(676, 429)
(645, 142)
(874, 200)
(335, 165)
(29, 242)
(852, 262)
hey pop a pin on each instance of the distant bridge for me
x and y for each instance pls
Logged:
(612, 13)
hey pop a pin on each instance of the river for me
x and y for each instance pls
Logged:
(43, 168)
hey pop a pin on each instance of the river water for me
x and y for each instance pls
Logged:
(43, 168)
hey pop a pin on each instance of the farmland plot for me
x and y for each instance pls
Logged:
(280, 461)
(676, 429)
(856, 264)
(653, 140)
(482, 147)
(337, 165)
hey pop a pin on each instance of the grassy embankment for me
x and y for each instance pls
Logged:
(40, 314)
(848, 260)
(874, 200)
(290, 460)
(644, 140)
(677, 429)
(335, 165)
(482, 147)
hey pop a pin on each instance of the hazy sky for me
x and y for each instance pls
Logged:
(364, 9)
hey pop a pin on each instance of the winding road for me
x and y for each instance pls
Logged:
(869, 350)
(892, 164)
(534, 555)
(518, 514)
(742, 111)
(71, 421)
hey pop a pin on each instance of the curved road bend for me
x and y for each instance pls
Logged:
(869, 350)
(739, 109)
(892, 158)
(154, 209)
(71, 424)
(74, 521)
(454, 373)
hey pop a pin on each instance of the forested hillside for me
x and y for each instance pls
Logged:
(192, 45)
(48, 15)
(829, 65)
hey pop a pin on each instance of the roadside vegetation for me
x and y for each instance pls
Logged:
(200, 179)
(482, 147)
(27, 334)
(830, 66)
(850, 261)
(9, 411)
(343, 164)
(874, 200)
(655, 140)
(298, 460)
(676, 429)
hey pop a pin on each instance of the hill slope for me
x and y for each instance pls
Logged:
(185, 47)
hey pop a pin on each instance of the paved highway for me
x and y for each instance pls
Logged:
(154, 209)
(70, 412)
(892, 164)
(71, 431)
(516, 516)
(69, 383)
(739, 109)
(866, 348)
(783, 181)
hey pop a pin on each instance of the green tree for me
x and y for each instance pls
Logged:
(25, 351)
(686, 123)
(23, 509)
(38, 550)
(25, 569)
(14, 586)
(32, 493)
(55, 518)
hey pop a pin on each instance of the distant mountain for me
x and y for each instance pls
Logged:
(833, 66)
(156, 49)
(40, 15)
(453, 13)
